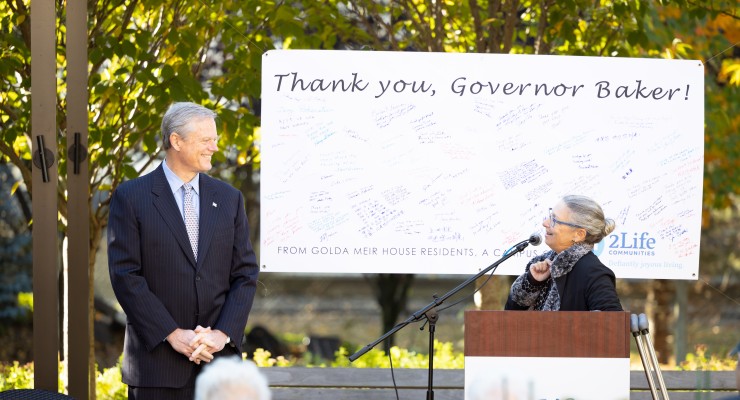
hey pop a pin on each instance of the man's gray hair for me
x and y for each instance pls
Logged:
(230, 378)
(177, 118)
(588, 213)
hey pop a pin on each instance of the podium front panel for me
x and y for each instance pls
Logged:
(547, 334)
(546, 355)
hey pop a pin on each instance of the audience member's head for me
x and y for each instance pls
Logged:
(231, 379)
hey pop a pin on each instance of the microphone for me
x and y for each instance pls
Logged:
(535, 239)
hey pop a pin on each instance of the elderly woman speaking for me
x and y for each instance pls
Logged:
(569, 277)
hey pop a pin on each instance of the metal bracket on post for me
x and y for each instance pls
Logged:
(77, 153)
(43, 158)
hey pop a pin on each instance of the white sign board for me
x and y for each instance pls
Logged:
(400, 162)
(547, 378)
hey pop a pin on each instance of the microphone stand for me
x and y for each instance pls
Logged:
(430, 313)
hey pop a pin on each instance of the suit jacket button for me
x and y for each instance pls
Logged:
(197, 278)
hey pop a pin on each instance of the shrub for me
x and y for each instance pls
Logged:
(20, 376)
(108, 384)
(16, 376)
(444, 358)
(262, 359)
(700, 362)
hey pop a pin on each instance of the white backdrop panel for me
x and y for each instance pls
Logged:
(378, 162)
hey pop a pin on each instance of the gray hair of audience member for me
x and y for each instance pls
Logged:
(230, 378)
(177, 118)
(588, 214)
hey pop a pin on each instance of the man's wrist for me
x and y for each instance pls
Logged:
(167, 338)
(228, 338)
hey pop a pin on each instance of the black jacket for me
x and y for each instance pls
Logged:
(589, 286)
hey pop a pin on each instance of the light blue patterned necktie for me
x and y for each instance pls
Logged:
(191, 218)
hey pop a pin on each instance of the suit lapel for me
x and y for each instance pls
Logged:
(209, 199)
(164, 202)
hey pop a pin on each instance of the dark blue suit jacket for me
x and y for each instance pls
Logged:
(159, 284)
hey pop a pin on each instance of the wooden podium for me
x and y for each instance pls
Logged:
(547, 355)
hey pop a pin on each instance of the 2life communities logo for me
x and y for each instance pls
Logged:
(624, 244)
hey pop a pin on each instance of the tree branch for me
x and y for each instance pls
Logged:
(712, 10)
(509, 25)
(594, 37)
(417, 20)
(439, 31)
(477, 26)
(9, 111)
(387, 27)
(61, 198)
(494, 39)
(361, 19)
(540, 46)
(608, 41)
(18, 162)
(150, 160)
(25, 26)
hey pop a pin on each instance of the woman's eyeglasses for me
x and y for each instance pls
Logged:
(554, 221)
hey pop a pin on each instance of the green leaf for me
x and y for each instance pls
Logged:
(129, 171)
(167, 72)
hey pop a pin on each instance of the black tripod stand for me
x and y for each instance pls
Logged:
(429, 312)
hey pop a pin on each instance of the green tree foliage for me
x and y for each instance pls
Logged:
(15, 250)
(709, 32)
(144, 54)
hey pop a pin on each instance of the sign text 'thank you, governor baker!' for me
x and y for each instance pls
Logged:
(464, 86)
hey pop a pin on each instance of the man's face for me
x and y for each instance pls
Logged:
(195, 148)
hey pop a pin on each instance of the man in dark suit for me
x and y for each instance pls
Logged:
(180, 261)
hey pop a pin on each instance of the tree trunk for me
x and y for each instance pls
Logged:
(95, 236)
(659, 310)
(492, 295)
(681, 311)
(250, 190)
(391, 292)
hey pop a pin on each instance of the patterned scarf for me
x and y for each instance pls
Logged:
(545, 297)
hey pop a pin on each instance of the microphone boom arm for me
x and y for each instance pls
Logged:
(421, 314)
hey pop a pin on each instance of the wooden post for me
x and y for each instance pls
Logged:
(45, 231)
(81, 375)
